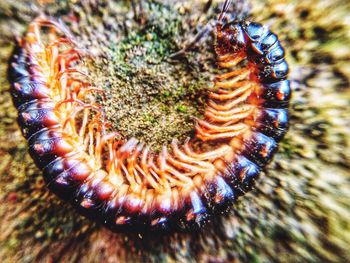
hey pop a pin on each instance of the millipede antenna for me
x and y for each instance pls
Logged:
(224, 10)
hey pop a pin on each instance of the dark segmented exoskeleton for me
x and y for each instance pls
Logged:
(121, 182)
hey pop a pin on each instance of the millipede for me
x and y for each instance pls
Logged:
(120, 182)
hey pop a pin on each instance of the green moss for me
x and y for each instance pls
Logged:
(149, 96)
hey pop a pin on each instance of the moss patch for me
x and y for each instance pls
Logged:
(146, 94)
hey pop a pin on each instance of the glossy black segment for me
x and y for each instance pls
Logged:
(43, 154)
(142, 222)
(77, 169)
(122, 221)
(118, 217)
(43, 146)
(195, 211)
(24, 91)
(273, 73)
(240, 174)
(86, 201)
(53, 169)
(263, 46)
(17, 65)
(273, 122)
(254, 31)
(275, 53)
(18, 72)
(114, 217)
(161, 224)
(24, 87)
(162, 217)
(268, 41)
(276, 94)
(59, 178)
(222, 195)
(19, 56)
(197, 204)
(63, 186)
(35, 104)
(249, 173)
(35, 116)
(259, 148)
(231, 175)
(133, 204)
(45, 134)
(280, 70)
(110, 212)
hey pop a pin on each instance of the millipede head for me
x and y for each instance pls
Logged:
(230, 38)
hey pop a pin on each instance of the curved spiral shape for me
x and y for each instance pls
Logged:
(121, 182)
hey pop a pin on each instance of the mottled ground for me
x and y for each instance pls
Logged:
(299, 211)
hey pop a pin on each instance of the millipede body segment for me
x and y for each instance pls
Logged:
(121, 182)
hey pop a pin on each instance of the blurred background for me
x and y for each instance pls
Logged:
(299, 210)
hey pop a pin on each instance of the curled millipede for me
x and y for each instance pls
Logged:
(121, 182)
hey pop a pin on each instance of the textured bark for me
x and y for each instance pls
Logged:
(299, 211)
